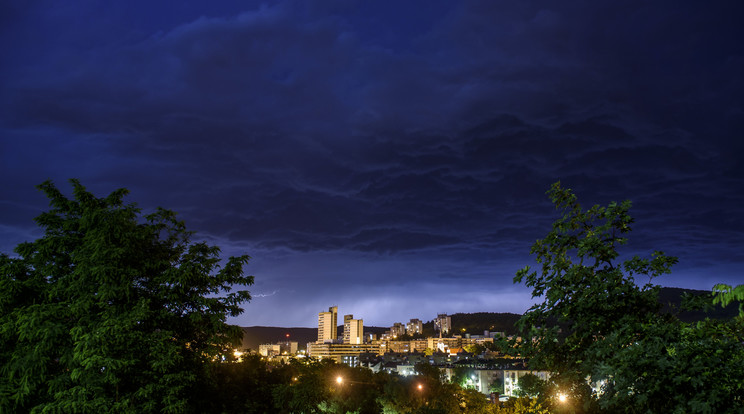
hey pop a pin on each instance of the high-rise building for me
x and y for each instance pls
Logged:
(398, 329)
(328, 325)
(414, 327)
(443, 323)
(353, 330)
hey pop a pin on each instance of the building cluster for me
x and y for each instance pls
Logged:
(278, 349)
(401, 347)
(399, 338)
(486, 375)
(413, 328)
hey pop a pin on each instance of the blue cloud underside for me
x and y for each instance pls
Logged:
(393, 142)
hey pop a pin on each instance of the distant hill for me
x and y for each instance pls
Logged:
(476, 323)
(253, 336)
(671, 299)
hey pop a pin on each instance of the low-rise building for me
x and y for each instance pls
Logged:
(342, 353)
(269, 350)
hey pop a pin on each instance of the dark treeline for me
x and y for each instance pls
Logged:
(312, 386)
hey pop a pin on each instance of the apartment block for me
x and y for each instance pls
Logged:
(443, 323)
(328, 325)
(353, 330)
(414, 327)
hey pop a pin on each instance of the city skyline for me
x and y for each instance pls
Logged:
(391, 159)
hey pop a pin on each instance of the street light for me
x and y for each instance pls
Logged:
(562, 398)
(341, 381)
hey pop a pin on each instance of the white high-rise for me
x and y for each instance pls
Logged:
(328, 325)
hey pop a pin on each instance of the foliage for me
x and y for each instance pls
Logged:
(475, 349)
(595, 322)
(725, 294)
(521, 405)
(243, 387)
(311, 386)
(359, 390)
(530, 385)
(587, 295)
(110, 311)
(497, 385)
(426, 370)
(679, 367)
(424, 393)
(460, 376)
(472, 401)
(306, 385)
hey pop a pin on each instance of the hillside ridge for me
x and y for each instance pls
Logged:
(477, 322)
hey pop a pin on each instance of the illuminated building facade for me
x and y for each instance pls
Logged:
(414, 327)
(269, 350)
(342, 353)
(398, 329)
(353, 330)
(328, 325)
(443, 323)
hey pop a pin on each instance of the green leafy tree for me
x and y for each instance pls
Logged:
(521, 405)
(475, 349)
(310, 386)
(358, 390)
(497, 385)
(426, 392)
(678, 367)
(460, 376)
(596, 322)
(725, 294)
(472, 401)
(244, 387)
(112, 311)
(587, 292)
(530, 385)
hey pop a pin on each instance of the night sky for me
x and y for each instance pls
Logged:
(387, 157)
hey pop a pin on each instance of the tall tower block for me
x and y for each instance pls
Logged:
(328, 325)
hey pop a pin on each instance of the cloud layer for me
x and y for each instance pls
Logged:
(401, 149)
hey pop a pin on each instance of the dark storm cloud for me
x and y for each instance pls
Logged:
(396, 134)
